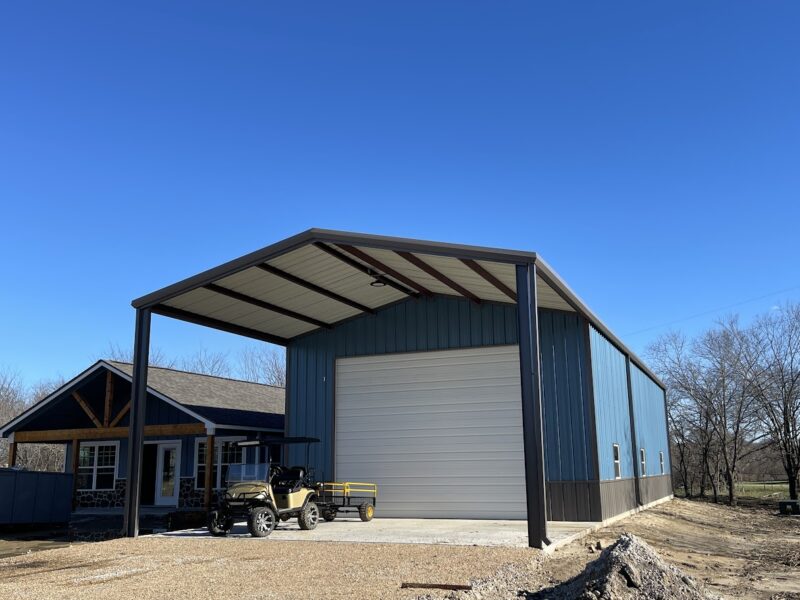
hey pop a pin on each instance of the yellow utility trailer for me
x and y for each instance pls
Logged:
(336, 497)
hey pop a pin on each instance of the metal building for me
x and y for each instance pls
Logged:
(415, 364)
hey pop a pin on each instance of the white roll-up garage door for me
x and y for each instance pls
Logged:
(439, 432)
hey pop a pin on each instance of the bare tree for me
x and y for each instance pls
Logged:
(157, 356)
(262, 364)
(14, 399)
(12, 402)
(208, 362)
(721, 417)
(770, 359)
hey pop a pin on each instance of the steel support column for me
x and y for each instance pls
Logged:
(141, 354)
(530, 379)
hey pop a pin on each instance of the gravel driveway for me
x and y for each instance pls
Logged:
(158, 568)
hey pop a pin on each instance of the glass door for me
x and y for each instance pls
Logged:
(168, 474)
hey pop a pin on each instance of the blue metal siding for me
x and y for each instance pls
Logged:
(565, 398)
(442, 323)
(650, 420)
(612, 414)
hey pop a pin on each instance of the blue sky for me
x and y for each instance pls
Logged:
(648, 151)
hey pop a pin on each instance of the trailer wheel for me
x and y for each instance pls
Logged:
(366, 511)
(261, 521)
(329, 515)
(309, 516)
(217, 524)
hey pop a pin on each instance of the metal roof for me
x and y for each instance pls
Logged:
(321, 277)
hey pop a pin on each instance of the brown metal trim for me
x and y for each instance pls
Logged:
(218, 289)
(385, 269)
(423, 266)
(364, 269)
(480, 270)
(315, 288)
(190, 317)
(86, 408)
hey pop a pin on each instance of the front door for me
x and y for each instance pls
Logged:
(168, 474)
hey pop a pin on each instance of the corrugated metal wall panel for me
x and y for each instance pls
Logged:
(441, 323)
(565, 397)
(612, 416)
(650, 420)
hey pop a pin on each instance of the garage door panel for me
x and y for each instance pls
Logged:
(439, 432)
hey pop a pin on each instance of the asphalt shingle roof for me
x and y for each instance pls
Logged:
(220, 400)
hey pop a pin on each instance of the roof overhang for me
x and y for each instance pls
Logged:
(319, 278)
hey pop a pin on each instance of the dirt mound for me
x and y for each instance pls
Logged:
(627, 570)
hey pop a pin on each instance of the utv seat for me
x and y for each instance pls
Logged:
(291, 480)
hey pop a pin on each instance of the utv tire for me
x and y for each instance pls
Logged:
(218, 525)
(329, 515)
(261, 521)
(366, 511)
(309, 516)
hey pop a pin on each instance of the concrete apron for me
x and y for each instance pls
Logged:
(455, 532)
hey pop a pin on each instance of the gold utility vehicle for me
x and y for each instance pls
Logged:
(262, 494)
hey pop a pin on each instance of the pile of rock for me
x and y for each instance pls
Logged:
(627, 570)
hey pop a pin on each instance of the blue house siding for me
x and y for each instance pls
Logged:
(650, 420)
(442, 323)
(612, 414)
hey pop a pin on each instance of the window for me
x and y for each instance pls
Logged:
(643, 459)
(226, 453)
(661, 461)
(97, 465)
(617, 467)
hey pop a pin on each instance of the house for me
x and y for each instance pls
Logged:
(465, 381)
(186, 413)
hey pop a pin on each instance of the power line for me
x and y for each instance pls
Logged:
(712, 311)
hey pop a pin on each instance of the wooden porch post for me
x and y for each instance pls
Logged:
(12, 454)
(209, 484)
(76, 447)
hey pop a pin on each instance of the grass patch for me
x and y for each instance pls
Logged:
(775, 490)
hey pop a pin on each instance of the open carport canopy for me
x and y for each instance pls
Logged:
(319, 278)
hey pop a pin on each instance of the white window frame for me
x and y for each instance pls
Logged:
(643, 462)
(94, 467)
(218, 441)
(615, 456)
(661, 461)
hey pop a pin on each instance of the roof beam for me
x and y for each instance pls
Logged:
(109, 398)
(364, 269)
(423, 266)
(480, 270)
(59, 435)
(190, 317)
(122, 412)
(360, 254)
(314, 287)
(85, 406)
(213, 287)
